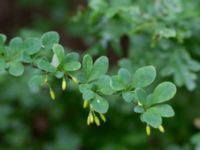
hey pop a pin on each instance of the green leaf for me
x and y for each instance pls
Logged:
(49, 39)
(122, 80)
(144, 76)
(2, 65)
(141, 95)
(15, 47)
(116, 83)
(26, 58)
(46, 66)
(72, 66)
(87, 65)
(97, 4)
(139, 109)
(36, 82)
(128, 96)
(164, 92)
(32, 45)
(59, 52)
(100, 105)
(16, 43)
(85, 89)
(55, 62)
(152, 118)
(2, 38)
(167, 33)
(16, 69)
(196, 139)
(100, 68)
(163, 110)
(71, 57)
(124, 76)
(103, 85)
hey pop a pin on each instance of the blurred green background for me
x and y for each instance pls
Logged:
(132, 33)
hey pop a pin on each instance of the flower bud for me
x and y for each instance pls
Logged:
(103, 118)
(75, 79)
(161, 129)
(52, 94)
(46, 80)
(139, 104)
(97, 121)
(85, 104)
(88, 120)
(64, 84)
(148, 130)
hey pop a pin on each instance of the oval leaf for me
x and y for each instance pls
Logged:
(72, 66)
(100, 105)
(164, 92)
(163, 110)
(144, 76)
(32, 45)
(49, 39)
(100, 68)
(16, 69)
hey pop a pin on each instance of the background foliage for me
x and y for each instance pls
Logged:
(163, 33)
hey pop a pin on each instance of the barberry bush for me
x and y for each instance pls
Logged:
(100, 74)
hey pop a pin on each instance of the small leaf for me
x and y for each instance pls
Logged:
(116, 83)
(164, 92)
(196, 139)
(138, 109)
(2, 65)
(152, 118)
(85, 89)
(103, 85)
(72, 66)
(36, 82)
(141, 95)
(32, 45)
(16, 43)
(124, 76)
(128, 96)
(163, 110)
(49, 39)
(15, 47)
(144, 76)
(55, 62)
(2, 38)
(59, 52)
(167, 33)
(46, 66)
(71, 57)
(16, 69)
(87, 65)
(100, 105)
(100, 68)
